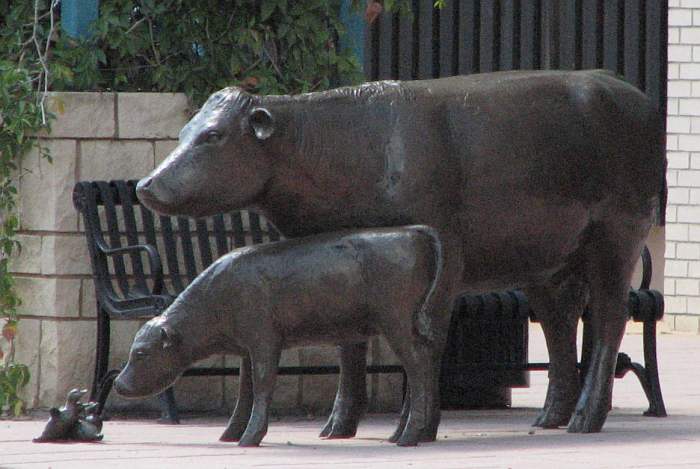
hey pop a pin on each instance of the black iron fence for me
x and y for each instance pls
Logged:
(471, 36)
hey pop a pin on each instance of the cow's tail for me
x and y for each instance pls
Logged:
(663, 192)
(423, 316)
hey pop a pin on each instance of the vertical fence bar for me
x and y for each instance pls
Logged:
(407, 50)
(489, 40)
(591, 34)
(425, 39)
(612, 36)
(448, 38)
(371, 63)
(469, 36)
(568, 35)
(510, 35)
(530, 37)
(655, 52)
(633, 42)
(385, 56)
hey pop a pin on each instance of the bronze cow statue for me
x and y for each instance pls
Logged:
(546, 181)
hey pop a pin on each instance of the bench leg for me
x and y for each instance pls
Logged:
(103, 390)
(656, 400)
(101, 353)
(168, 407)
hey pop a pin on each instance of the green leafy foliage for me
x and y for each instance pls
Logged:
(197, 47)
(13, 378)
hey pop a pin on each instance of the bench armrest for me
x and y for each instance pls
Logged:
(154, 261)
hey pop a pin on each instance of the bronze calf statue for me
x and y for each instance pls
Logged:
(330, 288)
(542, 180)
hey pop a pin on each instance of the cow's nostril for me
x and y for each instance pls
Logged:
(144, 183)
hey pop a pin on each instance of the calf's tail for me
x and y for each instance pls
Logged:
(422, 318)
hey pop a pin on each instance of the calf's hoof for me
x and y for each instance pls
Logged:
(586, 423)
(232, 434)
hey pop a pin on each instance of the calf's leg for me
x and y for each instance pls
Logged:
(265, 361)
(239, 420)
(351, 399)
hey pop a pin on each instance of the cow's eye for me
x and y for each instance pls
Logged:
(213, 136)
(140, 354)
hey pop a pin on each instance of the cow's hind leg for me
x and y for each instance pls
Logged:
(558, 306)
(351, 399)
(610, 266)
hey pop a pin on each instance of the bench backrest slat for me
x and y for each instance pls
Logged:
(114, 236)
(203, 239)
(94, 233)
(220, 235)
(171, 257)
(132, 234)
(255, 228)
(183, 225)
(238, 231)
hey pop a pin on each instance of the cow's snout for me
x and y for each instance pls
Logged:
(144, 189)
(154, 195)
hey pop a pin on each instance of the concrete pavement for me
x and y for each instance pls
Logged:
(473, 439)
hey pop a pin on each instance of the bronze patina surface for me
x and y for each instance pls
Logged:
(542, 180)
(324, 289)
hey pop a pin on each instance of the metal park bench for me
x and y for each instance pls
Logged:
(121, 235)
(477, 318)
(120, 232)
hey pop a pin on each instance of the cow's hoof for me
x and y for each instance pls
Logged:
(553, 416)
(408, 440)
(394, 438)
(585, 423)
(338, 428)
(428, 436)
(249, 442)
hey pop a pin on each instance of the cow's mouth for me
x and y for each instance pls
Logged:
(152, 196)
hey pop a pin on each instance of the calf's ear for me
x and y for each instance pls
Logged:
(168, 336)
(261, 122)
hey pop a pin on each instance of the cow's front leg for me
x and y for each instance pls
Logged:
(351, 398)
(241, 414)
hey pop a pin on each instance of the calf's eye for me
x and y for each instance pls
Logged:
(213, 136)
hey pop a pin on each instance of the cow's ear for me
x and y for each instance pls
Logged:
(168, 336)
(261, 122)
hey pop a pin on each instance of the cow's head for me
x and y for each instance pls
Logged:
(221, 162)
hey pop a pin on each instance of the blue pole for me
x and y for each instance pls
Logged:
(354, 37)
(77, 15)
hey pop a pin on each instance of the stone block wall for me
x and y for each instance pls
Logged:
(682, 274)
(102, 136)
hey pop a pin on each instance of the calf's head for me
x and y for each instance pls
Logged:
(157, 357)
(222, 161)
